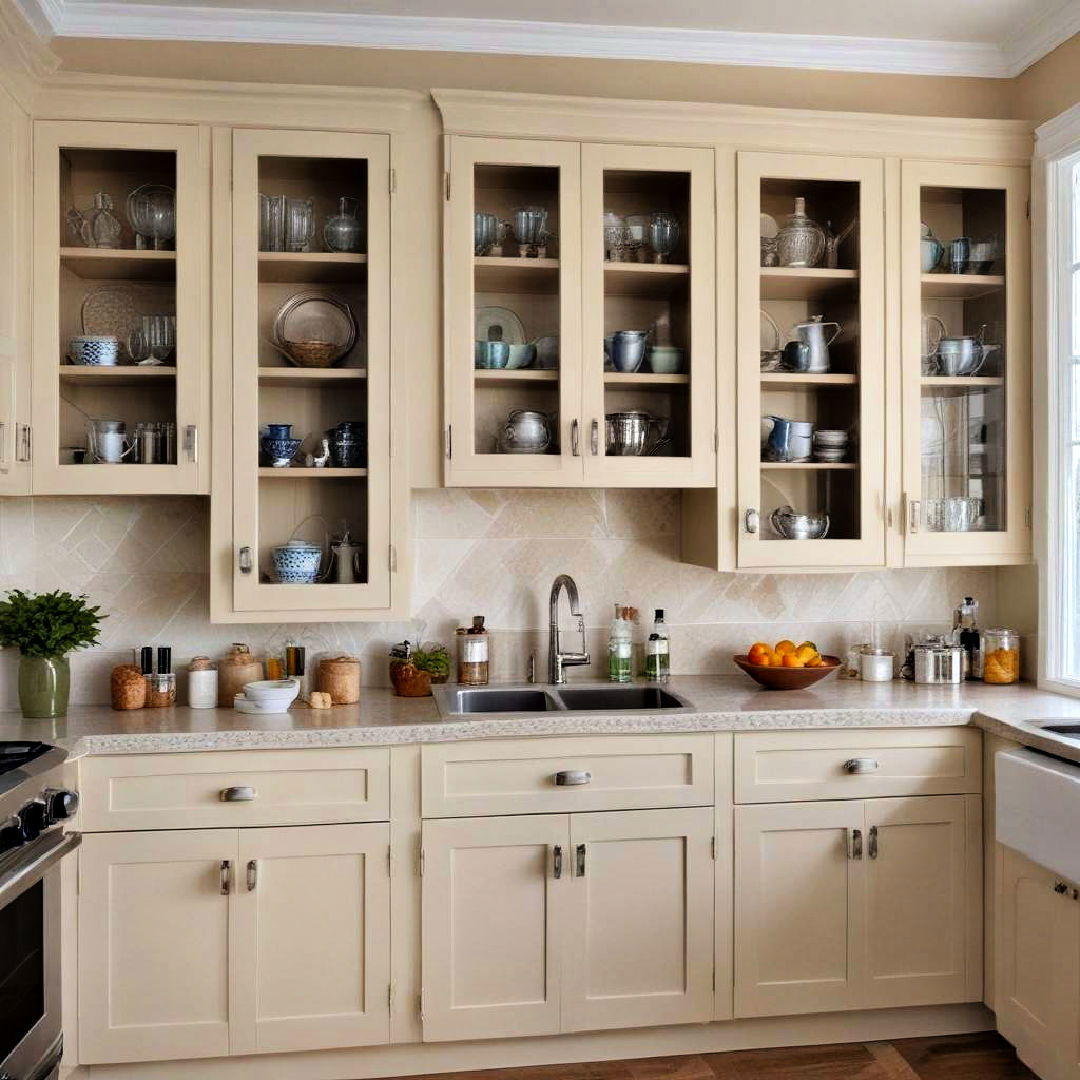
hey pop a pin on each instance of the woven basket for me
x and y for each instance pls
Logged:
(313, 354)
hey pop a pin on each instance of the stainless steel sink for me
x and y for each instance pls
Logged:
(498, 700)
(1072, 730)
(619, 698)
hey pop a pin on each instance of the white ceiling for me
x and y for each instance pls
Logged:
(995, 38)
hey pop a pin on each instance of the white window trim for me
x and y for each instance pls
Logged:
(1057, 147)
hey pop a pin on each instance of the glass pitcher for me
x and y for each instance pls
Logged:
(343, 230)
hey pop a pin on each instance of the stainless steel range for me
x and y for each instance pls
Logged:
(33, 807)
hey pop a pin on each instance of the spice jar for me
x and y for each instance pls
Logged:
(128, 688)
(1001, 656)
(202, 683)
(160, 690)
(339, 676)
(236, 669)
(473, 654)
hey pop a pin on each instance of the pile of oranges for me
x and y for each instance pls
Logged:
(786, 654)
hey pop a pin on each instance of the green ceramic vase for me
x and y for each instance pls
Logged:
(44, 686)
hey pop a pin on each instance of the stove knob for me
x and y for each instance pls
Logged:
(60, 803)
(33, 817)
(11, 833)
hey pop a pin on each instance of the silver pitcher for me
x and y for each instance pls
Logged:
(634, 433)
(526, 431)
(814, 358)
(347, 561)
(108, 442)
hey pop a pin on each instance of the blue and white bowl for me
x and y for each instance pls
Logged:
(281, 451)
(297, 562)
(95, 350)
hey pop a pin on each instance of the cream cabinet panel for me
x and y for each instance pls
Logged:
(638, 947)
(847, 394)
(967, 422)
(923, 880)
(799, 908)
(1037, 983)
(106, 290)
(311, 939)
(494, 902)
(154, 943)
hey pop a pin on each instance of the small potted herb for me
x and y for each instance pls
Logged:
(413, 670)
(45, 627)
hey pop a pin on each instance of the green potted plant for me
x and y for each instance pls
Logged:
(45, 627)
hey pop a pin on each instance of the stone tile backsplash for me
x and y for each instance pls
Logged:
(475, 552)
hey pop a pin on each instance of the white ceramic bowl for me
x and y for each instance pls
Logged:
(666, 359)
(830, 437)
(270, 695)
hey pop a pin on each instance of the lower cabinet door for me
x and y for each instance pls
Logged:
(154, 945)
(311, 938)
(923, 887)
(799, 908)
(639, 939)
(1037, 949)
(494, 891)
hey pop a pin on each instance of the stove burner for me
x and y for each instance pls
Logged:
(14, 755)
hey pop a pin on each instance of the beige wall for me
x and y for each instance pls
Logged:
(778, 87)
(1051, 86)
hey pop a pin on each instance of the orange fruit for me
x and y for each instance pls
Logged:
(809, 645)
(785, 646)
(776, 659)
(816, 661)
(757, 652)
(791, 660)
(760, 646)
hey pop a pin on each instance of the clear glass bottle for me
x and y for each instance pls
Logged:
(621, 646)
(343, 230)
(658, 650)
(473, 654)
(105, 227)
(1001, 656)
(801, 242)
(966, 635)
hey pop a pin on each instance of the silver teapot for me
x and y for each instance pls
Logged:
(811, 352)
(526, 431)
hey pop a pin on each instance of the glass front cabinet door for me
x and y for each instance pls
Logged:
(966, 370)
(811, 361)
(121, 308)
(311, 482)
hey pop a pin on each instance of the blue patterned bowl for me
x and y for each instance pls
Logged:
(297, 562)
(281, 451)
(95, 350)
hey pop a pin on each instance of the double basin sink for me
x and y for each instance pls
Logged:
(459, 701)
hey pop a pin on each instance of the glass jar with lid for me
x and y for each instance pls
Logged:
(1001, 656)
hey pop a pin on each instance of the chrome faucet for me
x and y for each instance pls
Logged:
(557, 660)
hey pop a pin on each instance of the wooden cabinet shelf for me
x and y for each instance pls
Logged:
(300, 472)
(961, 381)
(518, 377)
(797, 466)
(960, 286)
(121, 375)
(299, 267)
(788, 379)
(803, 283)
(501, 274)
(644, 279)
(122, 263)
(296, 376)
(644, 379)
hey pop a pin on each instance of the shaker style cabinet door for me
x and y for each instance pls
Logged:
(800, 926)
(154, 941)
(966, 364)
(639, 940)
(811, 417)
(310, 376)
(512, 317)
(121, 308)
(494, 903)
(311, 939)
(649, 316)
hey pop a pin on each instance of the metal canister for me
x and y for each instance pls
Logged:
(937, 662)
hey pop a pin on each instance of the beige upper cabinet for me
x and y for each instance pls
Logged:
(784, 414)
(579, 314)
(966, 364)
(130, 415)
(305, 375)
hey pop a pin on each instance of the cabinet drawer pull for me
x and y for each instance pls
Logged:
(751, 521)
(225, 877)
(573, 778)
(556, 862)
(855, 844)
(595, 437)
(244, 560)
(914, 513)
(237, 794)
(191, 443)
(859, 766)
(871, 842)
(252, 874)
(580, 854)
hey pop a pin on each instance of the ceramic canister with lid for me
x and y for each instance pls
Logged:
(339, 676)
(202, 683)
(236, 668)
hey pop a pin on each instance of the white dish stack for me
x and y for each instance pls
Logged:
(830, 445)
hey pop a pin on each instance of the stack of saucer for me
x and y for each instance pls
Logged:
(830, 444)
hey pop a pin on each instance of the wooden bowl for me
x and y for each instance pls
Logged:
(787, 678)
(313, 354)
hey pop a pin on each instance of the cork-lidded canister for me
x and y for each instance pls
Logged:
(339, 676)
(236, 669)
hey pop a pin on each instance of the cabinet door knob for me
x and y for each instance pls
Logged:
(242, 793)
(191, 443)
(751, 521)
(855, 844)
(556, 862)
(573, 778)
(595, 437)
(225, 877)
(575, 437)
(244, 560)
(872, 842)
(859, 766)
(580, 854)
(914, 510)
(252, 874)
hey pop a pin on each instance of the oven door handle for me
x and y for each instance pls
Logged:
(34, 862)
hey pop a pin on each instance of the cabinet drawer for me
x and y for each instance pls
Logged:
(188, 791)
(522, 776)
(796, 766)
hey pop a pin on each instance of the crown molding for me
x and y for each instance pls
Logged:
(1059, 136)
(1041, 36)
(179, 22)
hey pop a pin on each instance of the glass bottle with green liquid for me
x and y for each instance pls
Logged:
(658, 650)
(621, 645)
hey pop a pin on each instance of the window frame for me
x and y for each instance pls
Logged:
(1056, 224)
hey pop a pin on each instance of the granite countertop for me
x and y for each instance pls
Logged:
(720, 703)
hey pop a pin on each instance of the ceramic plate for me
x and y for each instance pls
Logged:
(113, 312)
(499, 324)
(769, 228)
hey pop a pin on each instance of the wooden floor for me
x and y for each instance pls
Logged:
(984, 1056)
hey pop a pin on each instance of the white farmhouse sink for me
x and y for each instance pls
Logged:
(1038, 808)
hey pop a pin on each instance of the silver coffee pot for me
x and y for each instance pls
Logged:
(813, 356)
(526, 431)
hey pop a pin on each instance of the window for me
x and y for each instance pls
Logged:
(1061, 566)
